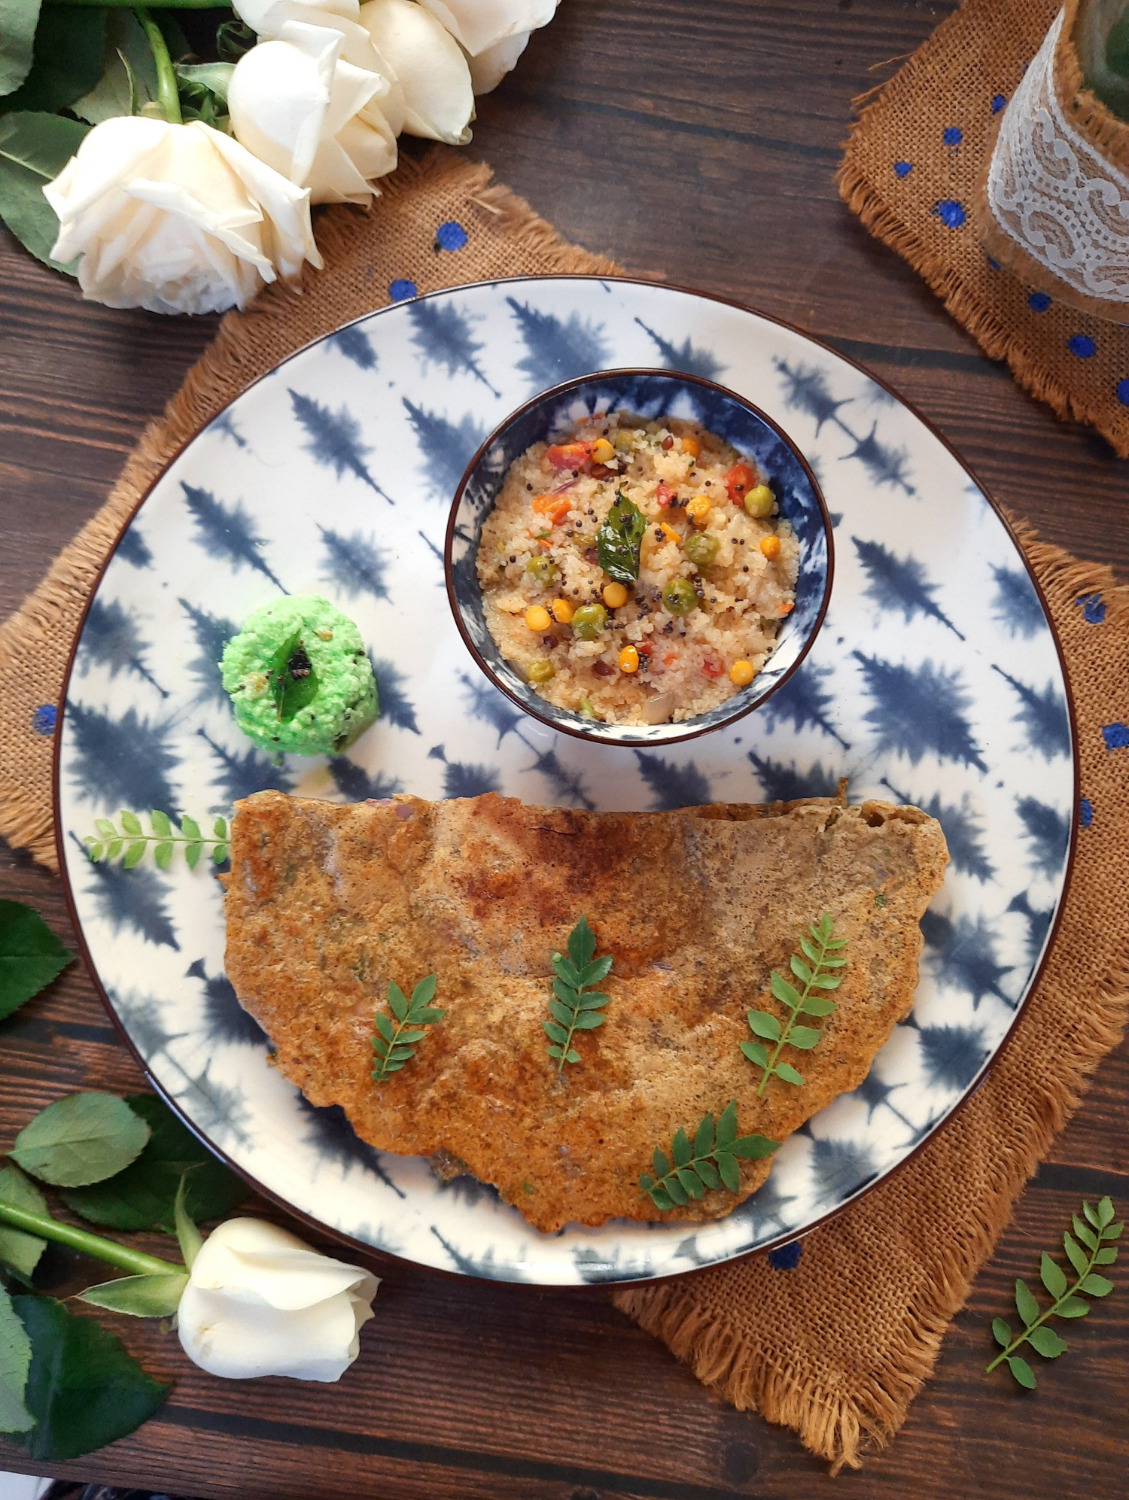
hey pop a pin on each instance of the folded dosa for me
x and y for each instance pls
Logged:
(326, 904)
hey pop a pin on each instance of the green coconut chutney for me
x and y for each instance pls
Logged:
(299, 678)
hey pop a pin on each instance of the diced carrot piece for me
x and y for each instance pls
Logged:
(738, 481)
(568, 455)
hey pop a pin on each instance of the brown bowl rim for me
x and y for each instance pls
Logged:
(574, 729)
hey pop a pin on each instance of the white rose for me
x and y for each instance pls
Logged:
(493, 33)
(311, 116)
(268, 17)
(429, 66)
(260, 1302)
(176, 218)
(479, 24)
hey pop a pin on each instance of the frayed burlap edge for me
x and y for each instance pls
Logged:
(993, 336)
(231, 363)
(842, 1425)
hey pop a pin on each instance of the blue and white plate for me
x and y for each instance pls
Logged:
(935, 680)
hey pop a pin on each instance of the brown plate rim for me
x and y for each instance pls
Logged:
(359, 1246)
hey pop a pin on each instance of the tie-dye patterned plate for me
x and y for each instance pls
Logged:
(935, 679)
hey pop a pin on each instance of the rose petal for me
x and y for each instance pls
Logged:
(489, 67)
(429, 66)
(479, 24)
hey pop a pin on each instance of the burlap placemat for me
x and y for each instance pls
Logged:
(911, 173)
(836, 1346)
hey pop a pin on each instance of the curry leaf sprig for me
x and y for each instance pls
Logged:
(619, 538)
(821, 954)
(131, 841)
(571, 1008)
(1091, 1248)
(396, 1043)
(710, 1162)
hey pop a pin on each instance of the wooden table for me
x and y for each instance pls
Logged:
(699, 139)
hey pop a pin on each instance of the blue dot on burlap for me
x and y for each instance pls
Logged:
(903, 168)
(1085, 812)
(950, 212)
(1092, 607)
(1122, 391)
(787, 1258)
(450, 236)
(1038, 302)
(400, 290)
(1081, 345)
(993, 265)
(1115, 736)
(43, 719)
(998, 102)
(952, 135)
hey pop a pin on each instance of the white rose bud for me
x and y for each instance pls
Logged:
(176, 218)
(260, 1302)
(479, 24)
(428, 64)
(493, 33)
(311, 116)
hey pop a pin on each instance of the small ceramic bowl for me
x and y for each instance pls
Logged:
(654, 395)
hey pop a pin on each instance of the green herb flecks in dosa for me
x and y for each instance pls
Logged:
(1090, 1245)
(573, 1009)
(130, 841)
(710, 1161)
(618, 540)
(820, 955)
(398, 1038)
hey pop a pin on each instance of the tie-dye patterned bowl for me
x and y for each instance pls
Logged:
(655, 395)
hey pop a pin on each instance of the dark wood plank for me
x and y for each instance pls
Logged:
(699, 141)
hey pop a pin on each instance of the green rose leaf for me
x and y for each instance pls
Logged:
(34, 149)
(66, 60)
(143, 1196)
(18, 20)
(140, 1296)
(20, 1252)
(83, 1389)
(30, 953)
(81, 1139)
(15, 1358)
(129, 74)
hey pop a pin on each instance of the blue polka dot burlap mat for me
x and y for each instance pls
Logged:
(911, 172)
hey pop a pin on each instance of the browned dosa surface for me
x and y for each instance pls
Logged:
(326, 904)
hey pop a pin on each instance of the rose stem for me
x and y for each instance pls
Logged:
(47, 1228)
(167, 95)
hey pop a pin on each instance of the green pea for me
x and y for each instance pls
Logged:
(542, 571)
(679, 597)
(540, 670)
(701, 548)
(588, 621)
(759, 502)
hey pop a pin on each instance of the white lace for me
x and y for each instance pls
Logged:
(1054, 195)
